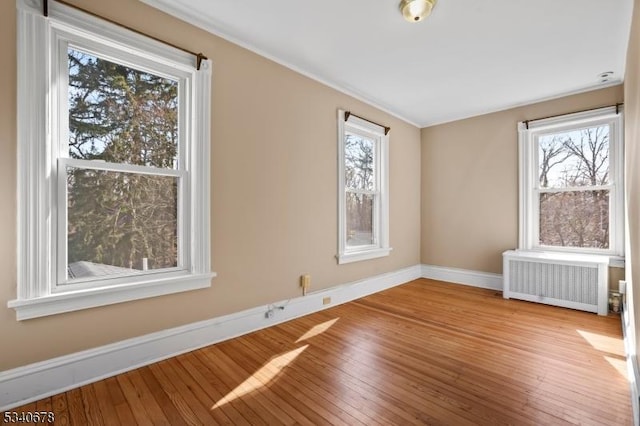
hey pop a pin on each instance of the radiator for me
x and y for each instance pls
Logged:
(562, 279)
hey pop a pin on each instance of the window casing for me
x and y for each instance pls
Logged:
(571, 183)
(58, 271)
(363, 204)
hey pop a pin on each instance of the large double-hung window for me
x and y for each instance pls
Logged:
(571, 183)
(113, 142)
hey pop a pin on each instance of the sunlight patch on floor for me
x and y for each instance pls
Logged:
(611, 345)
(317, 329)
(619, 364)
(262, 376)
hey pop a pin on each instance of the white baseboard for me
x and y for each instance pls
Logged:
(633, 373)
(463, 276)
(36, 381)
(632, 360)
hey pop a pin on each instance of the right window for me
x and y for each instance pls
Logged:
(571, 176)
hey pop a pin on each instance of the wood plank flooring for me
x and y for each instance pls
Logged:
(425, 352)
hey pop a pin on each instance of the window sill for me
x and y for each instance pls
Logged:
(357, 256)
(91, 298)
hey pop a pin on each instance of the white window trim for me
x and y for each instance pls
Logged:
(38, 157)
(381, 220)
(528, 226)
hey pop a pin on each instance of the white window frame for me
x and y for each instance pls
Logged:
(380, 247)
(529, 191)
(42, 287)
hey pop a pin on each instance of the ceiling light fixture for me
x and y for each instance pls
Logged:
(416, 10)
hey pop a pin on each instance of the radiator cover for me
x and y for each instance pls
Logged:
(561, 279)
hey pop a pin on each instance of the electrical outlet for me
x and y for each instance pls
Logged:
(326, 300)
(305, 283)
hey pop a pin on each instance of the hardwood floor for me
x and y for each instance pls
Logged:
(426, 352)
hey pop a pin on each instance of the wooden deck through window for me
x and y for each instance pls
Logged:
(425, 352)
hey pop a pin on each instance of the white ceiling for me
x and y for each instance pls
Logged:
(469, 57)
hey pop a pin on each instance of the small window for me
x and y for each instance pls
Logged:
(113, 147)
(363, 188)
(571, 183)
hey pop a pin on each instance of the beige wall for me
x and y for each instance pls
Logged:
(470, 182)
(632, 159)
(453, 198)
(273, 191)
